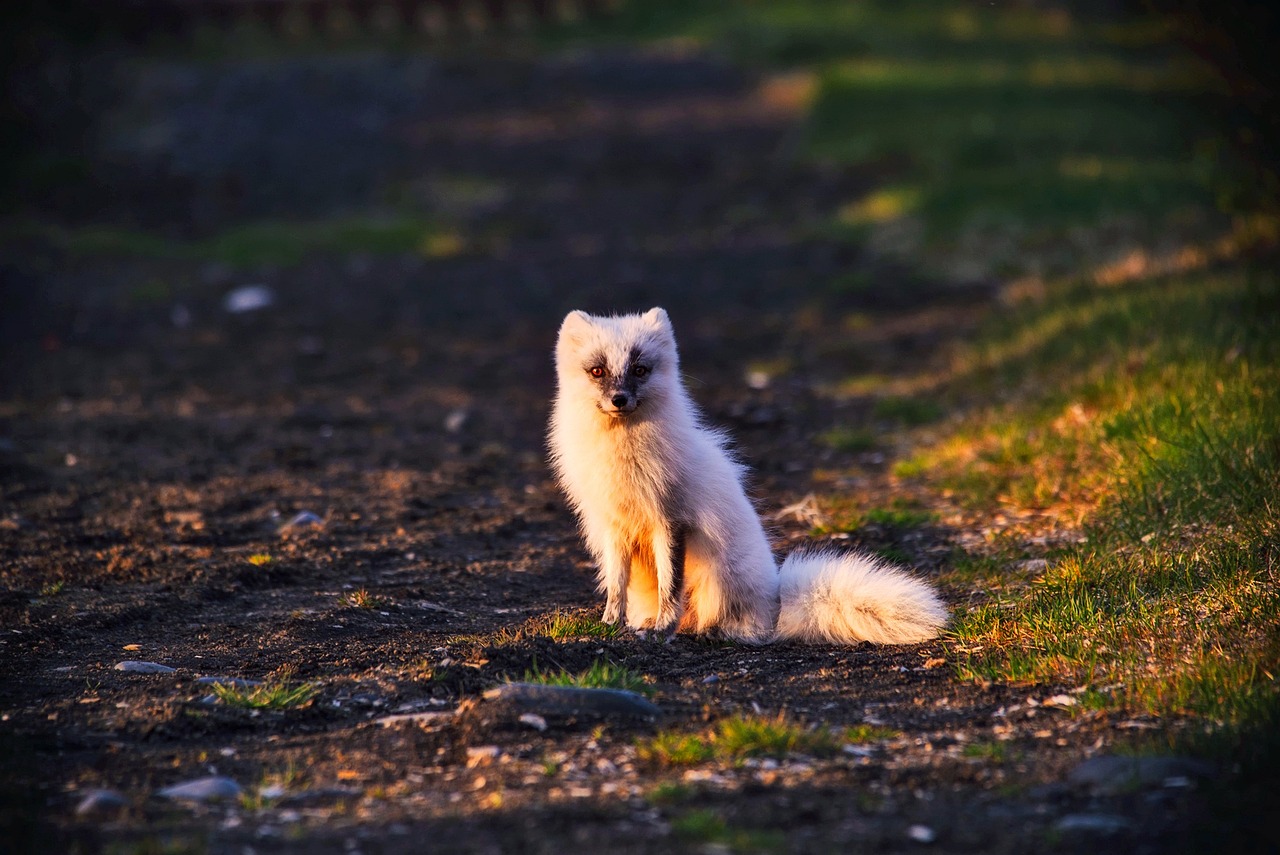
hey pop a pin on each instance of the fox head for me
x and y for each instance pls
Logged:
(622, 365)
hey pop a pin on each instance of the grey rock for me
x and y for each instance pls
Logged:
(1112, 774)
(233, 682)
(558, 703)
(211, 789)
(1103, 824)
(101, 803)
(324, 796)
(304, 519)
(135, 666)
(248, 298)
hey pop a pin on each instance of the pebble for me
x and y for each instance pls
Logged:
(101, 803)
(535, 721)
(482, 755)
(1112, 774)
(1093, 823)
(210, 789)
(304, 518)
(922, 834)
(248, 298)
(134, 666)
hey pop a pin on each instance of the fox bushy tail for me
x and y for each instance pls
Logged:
(841, 598)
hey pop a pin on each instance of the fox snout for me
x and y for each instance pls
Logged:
(620, 401)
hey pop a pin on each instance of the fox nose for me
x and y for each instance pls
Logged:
(619, 400)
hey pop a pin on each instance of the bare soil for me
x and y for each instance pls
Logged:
(151, 442)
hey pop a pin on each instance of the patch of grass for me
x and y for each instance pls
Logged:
(848, 439)
(861, 734)
(277, 693)
(670, 793)
(52, 589)
(560, 626)
(908, 411)
(601, 675)
(846, 516)
(259, 559)
(362, 599)
(995, 752)
(708, 827)
(738, 737)
(279, 243)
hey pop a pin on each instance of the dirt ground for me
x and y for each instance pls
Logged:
(152, 442)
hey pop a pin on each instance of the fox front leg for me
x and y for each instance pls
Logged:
(615, 575)
(669, 555)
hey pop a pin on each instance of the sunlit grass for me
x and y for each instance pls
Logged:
(601, 675)
(277, 693)
(737, 738)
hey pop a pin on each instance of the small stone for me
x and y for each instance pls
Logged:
(248, 298)
(1093, 823)
(101, 803)
(1061, 701)
(922, 834)
(482, 755)
(211, 789)
(304, 519)
(710, 679)
(272, 792)
(455, 421)
(135, 666)
(535, 721)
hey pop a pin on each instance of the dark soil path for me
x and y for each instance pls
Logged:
(152, 443)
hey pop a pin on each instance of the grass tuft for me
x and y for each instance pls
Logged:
(737, 738)
(277, 693)
(601, 675)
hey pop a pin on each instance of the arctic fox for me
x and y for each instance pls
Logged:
(664, 512)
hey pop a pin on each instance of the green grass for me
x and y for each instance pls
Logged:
(737, 738)
(559, 625)
(276, 693)
(279, 243)
(707, 827)
(362, 599)
(601, 675)
(1126, 387)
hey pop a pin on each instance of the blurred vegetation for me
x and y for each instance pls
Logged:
(1111, 180)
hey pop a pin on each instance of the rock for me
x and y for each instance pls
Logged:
(248, 298)
(535, 721)
(134, 666)
(211, 789)
(564, 703)
(1104, 824)
(101, 803)
(233, 682)
(922, 834)
(304, 519)
(419, 718)
(1110, 774)
(482, 755)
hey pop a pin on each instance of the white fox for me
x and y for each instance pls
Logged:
(664, 512)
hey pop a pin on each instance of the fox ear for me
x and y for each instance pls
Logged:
(575, 324)
(658, 317)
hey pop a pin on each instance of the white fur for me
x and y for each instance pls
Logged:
(638, 472)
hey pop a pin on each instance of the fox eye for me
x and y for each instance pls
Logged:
(640, 370)
(596, 371)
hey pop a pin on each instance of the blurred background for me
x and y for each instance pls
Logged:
(988, 287)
